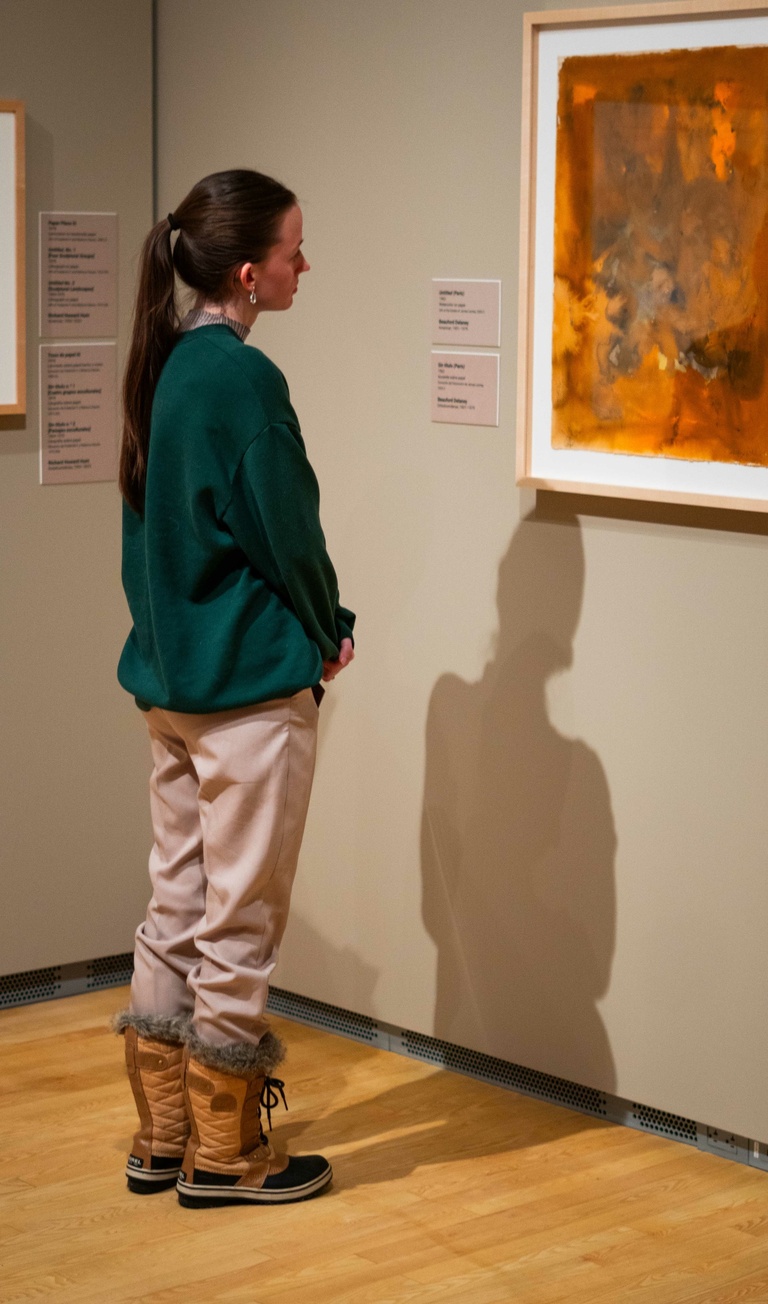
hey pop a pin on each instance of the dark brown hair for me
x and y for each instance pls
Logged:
(227, 219)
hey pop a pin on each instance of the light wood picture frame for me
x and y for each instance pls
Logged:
(643, 309)
(13, 333)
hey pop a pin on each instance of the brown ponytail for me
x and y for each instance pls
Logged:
(227, 219)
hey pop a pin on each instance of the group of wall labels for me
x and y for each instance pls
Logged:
(78, 380)
(465, 386)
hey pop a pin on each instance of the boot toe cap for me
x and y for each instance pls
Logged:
(304, 1173)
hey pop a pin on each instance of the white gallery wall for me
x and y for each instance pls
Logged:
(73, 818)
(540, 825)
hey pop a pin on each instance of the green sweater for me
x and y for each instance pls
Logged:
(232, 594)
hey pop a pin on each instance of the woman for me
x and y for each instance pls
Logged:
(236, 619)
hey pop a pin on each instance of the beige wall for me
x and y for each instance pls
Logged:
(72, 787)
(540, 826)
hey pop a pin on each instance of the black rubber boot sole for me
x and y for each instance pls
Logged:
(160, 1176)
(211, 1197)
(143, 1187)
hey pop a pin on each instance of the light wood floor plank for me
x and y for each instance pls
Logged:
(445, 1190)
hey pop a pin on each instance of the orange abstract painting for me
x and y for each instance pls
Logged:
(660, 342)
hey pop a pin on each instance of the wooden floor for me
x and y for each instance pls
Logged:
(445, 1190)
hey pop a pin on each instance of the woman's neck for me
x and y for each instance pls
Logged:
(240, 310)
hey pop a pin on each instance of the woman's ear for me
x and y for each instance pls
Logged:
(243, 279)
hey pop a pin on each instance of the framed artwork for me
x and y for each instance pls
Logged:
(12, 278)
(643, 344)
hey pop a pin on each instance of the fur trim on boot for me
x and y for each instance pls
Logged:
(241, 1059)
(172, 1028)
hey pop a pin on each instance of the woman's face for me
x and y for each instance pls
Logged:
(276, 279)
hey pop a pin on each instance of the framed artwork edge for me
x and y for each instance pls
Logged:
(617, 15)
(641, 494)
(533, 21)
(19, 408)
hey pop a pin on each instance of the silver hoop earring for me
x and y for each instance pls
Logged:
(252, 296)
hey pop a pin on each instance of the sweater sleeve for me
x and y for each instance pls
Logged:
(274, 516)
(345, 623)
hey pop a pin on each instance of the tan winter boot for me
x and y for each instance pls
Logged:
(228, 1159)
(153, 1057)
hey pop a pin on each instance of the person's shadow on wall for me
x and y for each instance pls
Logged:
(518, 839)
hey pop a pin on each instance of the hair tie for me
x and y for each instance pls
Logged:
(173, 224)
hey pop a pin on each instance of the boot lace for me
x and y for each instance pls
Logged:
(272, 1093)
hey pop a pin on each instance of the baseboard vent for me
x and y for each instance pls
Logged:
(502, 1073)
(64, 980)
(305, 1010)
(115, 970)
(26, 988)
(110, 971)
(663, 1124)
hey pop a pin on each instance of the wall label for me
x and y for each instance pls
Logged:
(465, 388)
(78, 413)
(78, 275)
(466, 312)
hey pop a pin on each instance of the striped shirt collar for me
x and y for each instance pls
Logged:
(198, 317)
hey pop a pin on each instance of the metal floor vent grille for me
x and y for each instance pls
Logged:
(110, 971)
(64, 980)
(503, 1073)
(304, 1010)
(34, 985)
(656, 1120)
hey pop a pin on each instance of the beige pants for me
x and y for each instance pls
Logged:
(229, 796)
